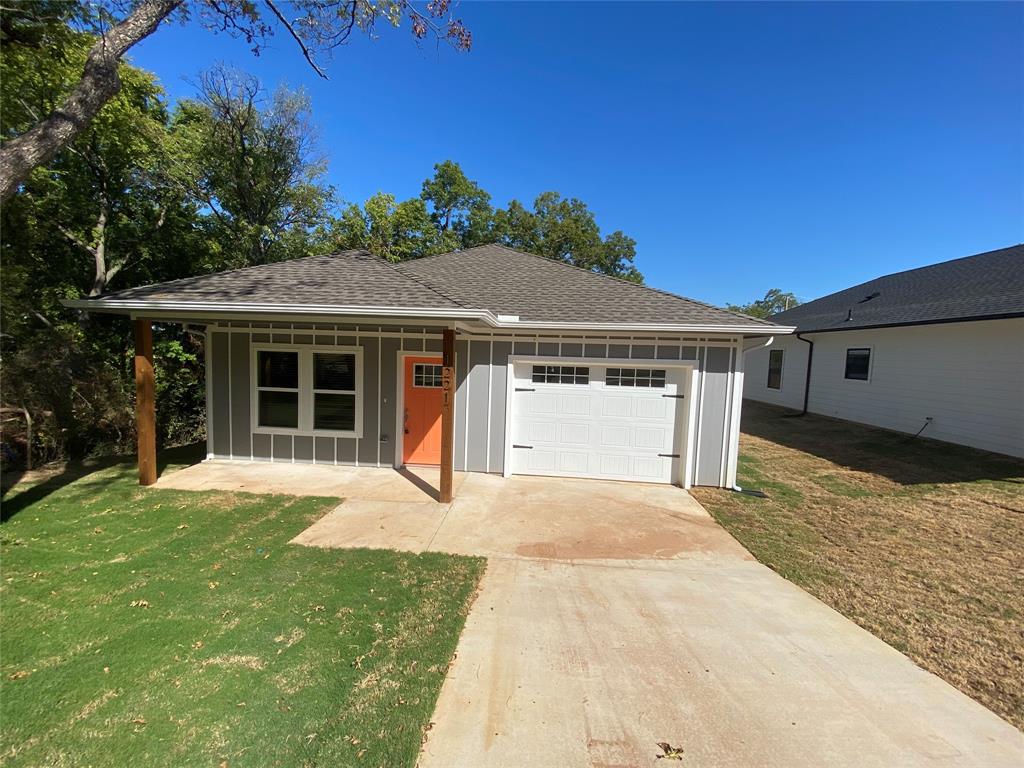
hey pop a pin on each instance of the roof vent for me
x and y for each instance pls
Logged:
(869, 297)
(849, 315)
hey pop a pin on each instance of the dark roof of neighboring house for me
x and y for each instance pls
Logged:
(489, 278)
(985, 286)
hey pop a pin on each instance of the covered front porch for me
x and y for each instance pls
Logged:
(236, 389)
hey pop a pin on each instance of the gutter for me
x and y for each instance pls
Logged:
(205, 310)
(807, 380)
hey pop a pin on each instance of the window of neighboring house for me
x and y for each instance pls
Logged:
(308, 391)
(635, 377)
(775, 369)
(426, 375)
(560, 374)
(858, 363)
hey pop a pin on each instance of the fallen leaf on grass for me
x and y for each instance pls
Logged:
(670, 752)
(182, 526)
(139, 604)
(18, 675)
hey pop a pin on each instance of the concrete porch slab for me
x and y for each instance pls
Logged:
(410, 484)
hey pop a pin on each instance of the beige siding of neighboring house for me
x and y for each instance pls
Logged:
(968, 377)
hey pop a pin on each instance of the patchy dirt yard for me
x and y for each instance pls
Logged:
(919, 542)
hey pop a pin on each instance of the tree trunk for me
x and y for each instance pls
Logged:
(98, 85)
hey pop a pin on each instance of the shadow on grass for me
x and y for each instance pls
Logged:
(901, 458)
(172, 457)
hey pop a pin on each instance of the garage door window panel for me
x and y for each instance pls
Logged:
(560, 374)
(636, 377)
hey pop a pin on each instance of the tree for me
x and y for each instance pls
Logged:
(774, 301)
(251, 163)
(317, 26)
(564, 229)
(456, 202)
(454, 212)
(391, 230)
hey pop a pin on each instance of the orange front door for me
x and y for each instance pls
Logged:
(421, 441)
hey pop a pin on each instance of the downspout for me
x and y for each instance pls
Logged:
(807, 380)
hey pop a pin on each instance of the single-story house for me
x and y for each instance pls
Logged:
(481, 360)
(936, 351)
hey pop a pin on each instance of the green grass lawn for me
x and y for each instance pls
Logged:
(156, 627)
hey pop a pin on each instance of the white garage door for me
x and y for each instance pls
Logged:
(610, 422)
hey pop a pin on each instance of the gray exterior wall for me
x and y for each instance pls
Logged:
(481, 374)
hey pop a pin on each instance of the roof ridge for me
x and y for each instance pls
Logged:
(396, 266)
(629, 282)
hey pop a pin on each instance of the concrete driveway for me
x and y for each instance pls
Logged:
(614, 616)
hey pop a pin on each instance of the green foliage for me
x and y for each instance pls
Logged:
(251, 163)
(169, 628)
(454, 212)
(147, 193)
(774, 301)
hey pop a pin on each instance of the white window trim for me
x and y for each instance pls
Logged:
(782, 370)
(306, 391)
(871, 363)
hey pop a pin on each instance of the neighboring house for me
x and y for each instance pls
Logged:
(551, 370)
(937, 350)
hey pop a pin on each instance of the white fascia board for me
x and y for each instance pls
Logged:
(203, 309)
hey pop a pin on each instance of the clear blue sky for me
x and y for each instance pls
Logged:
(744, 146)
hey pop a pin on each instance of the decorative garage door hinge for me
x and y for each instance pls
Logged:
(678, 397)
(522, 446)
(669, 455)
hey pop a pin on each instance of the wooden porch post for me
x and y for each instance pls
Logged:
(447, 414)
(145, 401)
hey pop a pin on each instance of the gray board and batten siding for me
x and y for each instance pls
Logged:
(482, 368)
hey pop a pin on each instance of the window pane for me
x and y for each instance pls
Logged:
(334, 411)
(279, 369)
(428, 375)
(334, 371)
(775, 369)
(857, 363)
(279, 409)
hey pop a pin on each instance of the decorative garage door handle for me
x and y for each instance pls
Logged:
(669, 455)
(522, 446)
(525, 389)
(679, 397)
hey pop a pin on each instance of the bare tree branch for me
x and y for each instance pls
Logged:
(295, 35)
(99, 84)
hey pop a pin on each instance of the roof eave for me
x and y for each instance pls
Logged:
(195, 309)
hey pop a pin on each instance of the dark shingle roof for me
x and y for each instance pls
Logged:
(987, 285)
(537, 289)
(486, 278)
(349, 278)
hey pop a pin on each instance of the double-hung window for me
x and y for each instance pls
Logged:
(307, 390)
